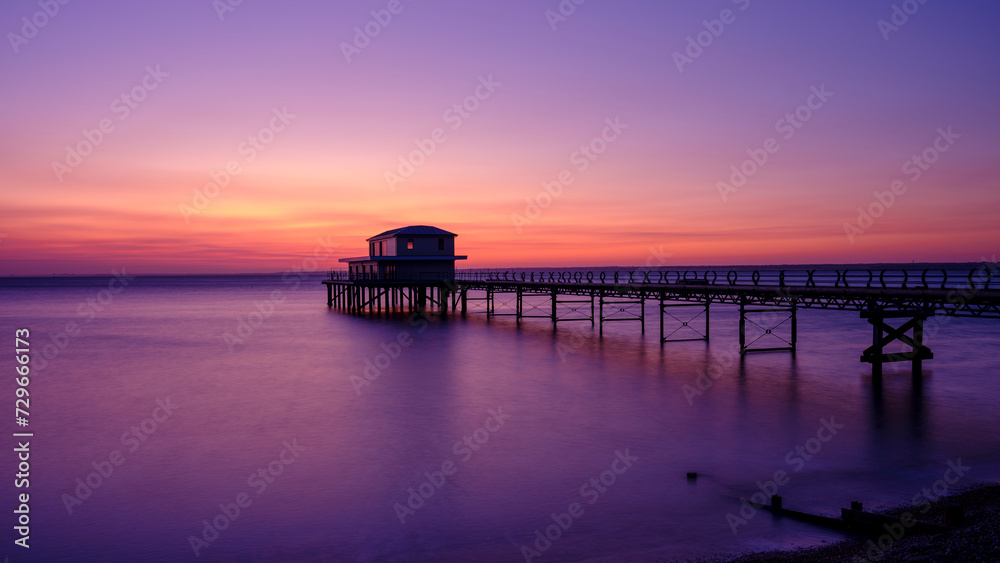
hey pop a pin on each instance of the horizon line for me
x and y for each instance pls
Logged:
(816, 265)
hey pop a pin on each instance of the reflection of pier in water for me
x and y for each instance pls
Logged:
(897, 303)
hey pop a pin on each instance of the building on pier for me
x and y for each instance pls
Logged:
(417, 253)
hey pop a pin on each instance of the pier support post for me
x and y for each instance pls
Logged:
(883, 333)
(555, 320)
(329, 295)
(625, 311)
(572, 310)
(702, 308)
(518, 310)
(600, 330)
(743, 325)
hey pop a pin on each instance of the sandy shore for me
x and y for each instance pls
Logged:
(978, 539)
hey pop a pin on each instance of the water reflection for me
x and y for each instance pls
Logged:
(574, 398)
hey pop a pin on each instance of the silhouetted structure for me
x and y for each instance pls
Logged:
(768, 300)
(415, 253)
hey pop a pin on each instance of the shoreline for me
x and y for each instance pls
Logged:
(977, 539)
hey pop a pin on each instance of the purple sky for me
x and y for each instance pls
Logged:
(661, 185)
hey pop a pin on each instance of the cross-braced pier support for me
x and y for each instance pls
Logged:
(883, 333)
(530, 310)
(491, 302)
(469, 302)
(573, 309)
(768, 324)
(684, 325)
(622, 309)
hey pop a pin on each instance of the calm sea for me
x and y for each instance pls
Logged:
(211, 419)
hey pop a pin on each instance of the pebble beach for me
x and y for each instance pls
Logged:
(978, 539)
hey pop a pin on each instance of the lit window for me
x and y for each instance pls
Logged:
(409, 244)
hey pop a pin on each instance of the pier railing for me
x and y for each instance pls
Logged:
(979, 279)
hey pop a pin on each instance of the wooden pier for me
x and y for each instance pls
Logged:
(767, 300)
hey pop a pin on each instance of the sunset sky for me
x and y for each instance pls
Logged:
(330, 114)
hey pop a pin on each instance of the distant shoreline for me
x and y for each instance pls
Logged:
(739, 268)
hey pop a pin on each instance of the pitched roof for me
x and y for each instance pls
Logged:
(414, 230)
